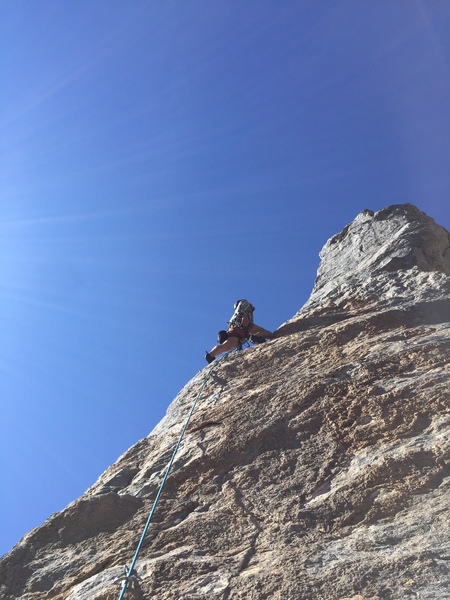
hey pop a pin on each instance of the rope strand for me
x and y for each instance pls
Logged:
(166, 474)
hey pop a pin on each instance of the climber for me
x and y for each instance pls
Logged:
(240, 328)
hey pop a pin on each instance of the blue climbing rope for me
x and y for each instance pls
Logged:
(130, 570)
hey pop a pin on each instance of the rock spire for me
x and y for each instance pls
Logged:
(316, 467)
(383, 256)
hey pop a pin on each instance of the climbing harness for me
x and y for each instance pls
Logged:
(130, 572)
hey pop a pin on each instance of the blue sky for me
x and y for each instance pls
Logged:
(160, 160)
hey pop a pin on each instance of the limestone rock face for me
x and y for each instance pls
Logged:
(383, 256)
(316, 466)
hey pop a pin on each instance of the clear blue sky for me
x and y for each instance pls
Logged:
(160, 160)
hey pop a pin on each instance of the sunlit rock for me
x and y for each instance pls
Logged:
(316, 466)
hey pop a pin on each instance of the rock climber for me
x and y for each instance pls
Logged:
(240, 328)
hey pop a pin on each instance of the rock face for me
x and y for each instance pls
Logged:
(316, 466)
(382, 255)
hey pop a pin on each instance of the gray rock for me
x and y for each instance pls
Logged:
(391, 255)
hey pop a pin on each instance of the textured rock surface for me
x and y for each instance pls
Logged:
(380, 255)
(317, 466)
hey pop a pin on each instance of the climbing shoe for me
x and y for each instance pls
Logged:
(209, 357)
(257, 339)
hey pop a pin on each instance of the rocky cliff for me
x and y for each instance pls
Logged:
(316, 466)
